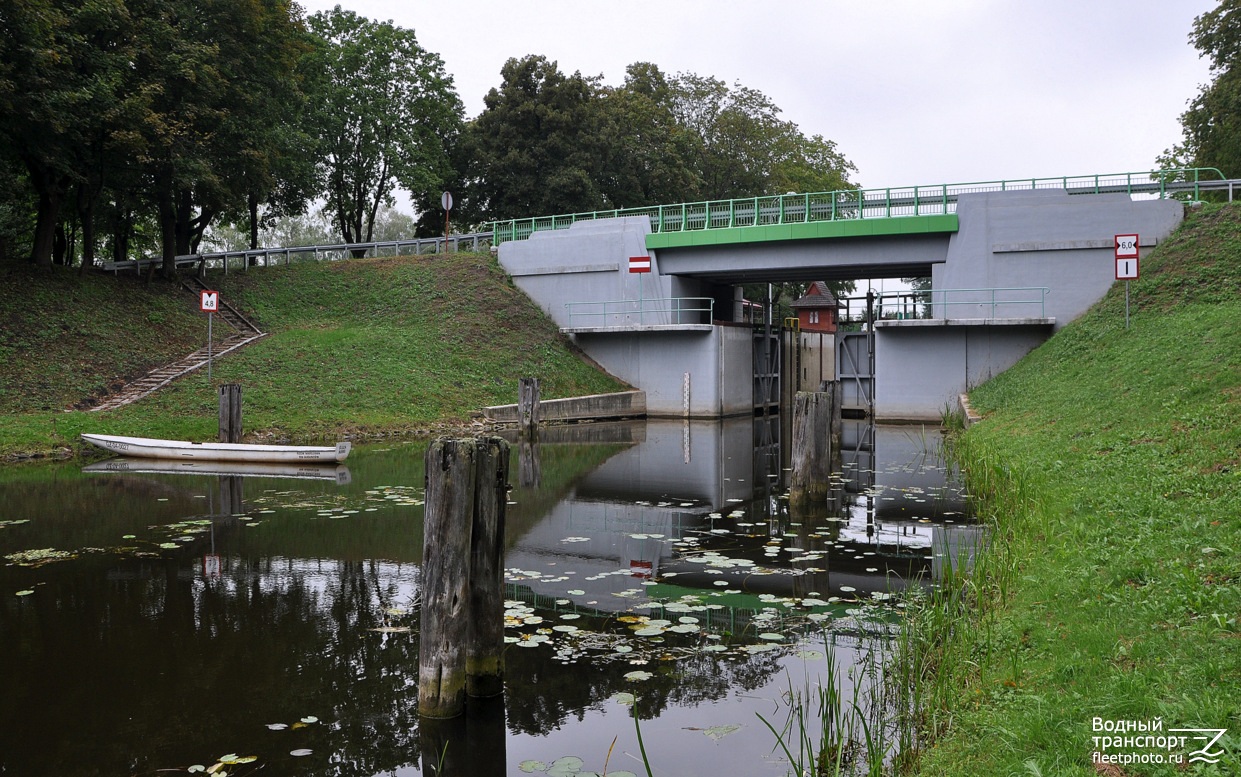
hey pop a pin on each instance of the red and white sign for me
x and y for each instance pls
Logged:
(1127, 269)
(1126, 246)
(639, 264)
(211, 301)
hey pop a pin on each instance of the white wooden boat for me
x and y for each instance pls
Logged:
(148, 448)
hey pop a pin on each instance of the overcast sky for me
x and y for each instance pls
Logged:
(912, 91)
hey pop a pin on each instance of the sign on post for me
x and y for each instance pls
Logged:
(1126, 257)
(211, 303)
(446, 201)
(639, 264)
(1126, 265)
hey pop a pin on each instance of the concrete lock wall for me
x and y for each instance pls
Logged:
(1044, 238)
(695, 374)
(921, 367)
(587, 263)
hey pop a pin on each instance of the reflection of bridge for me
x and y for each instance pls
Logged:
(653, 512)
(1056, 234)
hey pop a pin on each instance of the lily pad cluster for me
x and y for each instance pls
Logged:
(37, 557)
(566, 766)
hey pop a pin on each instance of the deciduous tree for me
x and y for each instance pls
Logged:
(1212, 123)
(384, 112)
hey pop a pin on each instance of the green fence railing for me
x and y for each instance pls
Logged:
(890, 202)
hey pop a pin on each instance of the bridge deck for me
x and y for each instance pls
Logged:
(855, 212)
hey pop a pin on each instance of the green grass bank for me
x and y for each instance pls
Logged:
(1109, 462)
(360, 348)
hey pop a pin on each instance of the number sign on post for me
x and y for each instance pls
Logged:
(210, 304)
(1126, 257)
(1126, 265)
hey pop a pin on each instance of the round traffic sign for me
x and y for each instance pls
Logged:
(446, 200)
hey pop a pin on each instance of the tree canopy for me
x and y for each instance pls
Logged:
(151, 122)
(385, 114)
(550, 143)
(1212, 123)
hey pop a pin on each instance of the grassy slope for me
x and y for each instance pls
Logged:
(363, 347)
(1114, 459)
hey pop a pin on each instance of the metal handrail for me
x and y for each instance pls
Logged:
(889, 202)
(625, 309)
(437, 245)
(925, 305)
(220, 259)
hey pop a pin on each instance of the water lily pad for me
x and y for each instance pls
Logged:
(232, 760)
(532, 766)
(716, 733)
(310, 719)
(565, 766)
(638, 676)
(26, 592)
(301, 751)
(624, 698)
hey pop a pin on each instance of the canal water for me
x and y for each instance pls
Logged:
(266, 621)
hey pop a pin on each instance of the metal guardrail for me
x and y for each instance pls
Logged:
(654, 311)
(890, 202)
(267, 257)
(938, 303)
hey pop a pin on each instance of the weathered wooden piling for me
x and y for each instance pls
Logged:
(462, 639)
(484, 666)
(230, 412)
(812, 449)
(447, 525)
(528, 406)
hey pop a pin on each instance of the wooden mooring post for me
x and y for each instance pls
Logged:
(462, 640)
(528, 406)
(230, 412)
(812, 447)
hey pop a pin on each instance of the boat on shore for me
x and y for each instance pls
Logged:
(150, 448)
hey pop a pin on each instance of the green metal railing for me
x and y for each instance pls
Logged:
(892, 202)
(628, 312)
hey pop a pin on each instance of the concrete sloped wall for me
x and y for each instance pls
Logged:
(1045, 238)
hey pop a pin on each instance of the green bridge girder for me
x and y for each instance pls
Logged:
(872, 227)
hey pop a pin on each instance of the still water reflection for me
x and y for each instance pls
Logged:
(154, 620)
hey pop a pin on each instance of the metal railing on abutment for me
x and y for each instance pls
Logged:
(990, 303)
(271, 257)
(890, 202)
(641, 312)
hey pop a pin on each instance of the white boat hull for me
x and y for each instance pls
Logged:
(149, 448)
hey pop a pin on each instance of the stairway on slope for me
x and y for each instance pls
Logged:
(245, 332)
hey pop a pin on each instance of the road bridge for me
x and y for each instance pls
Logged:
(653, 293)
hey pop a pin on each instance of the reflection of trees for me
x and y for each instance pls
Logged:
(155, 669)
